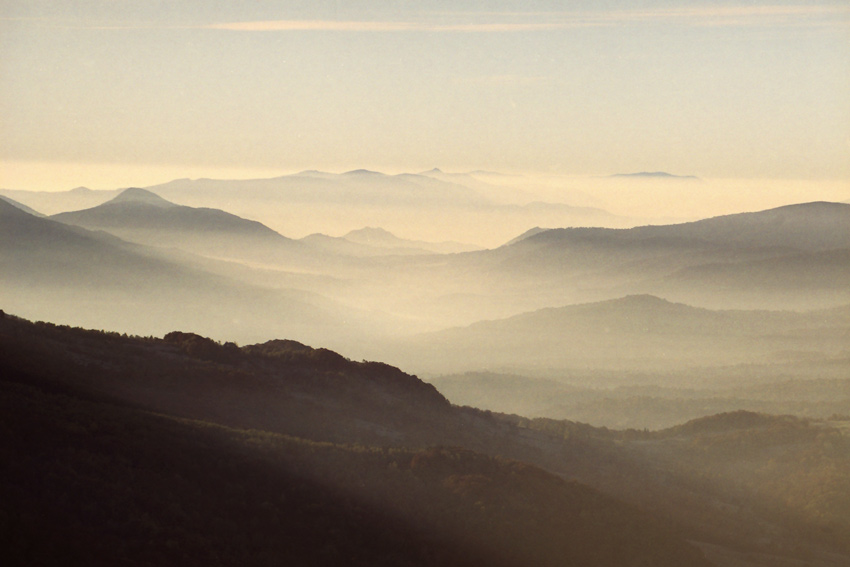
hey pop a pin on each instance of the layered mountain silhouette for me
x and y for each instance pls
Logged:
(807, 226)
(380, 238)
(353, 188)
(308, 201)
(67, 273)
(21, 206)
(142, 216)
(52, 202)
(576, 264)
(181, 446)
(652, 175)
(372, 241)
(298, 400)
(635, 333)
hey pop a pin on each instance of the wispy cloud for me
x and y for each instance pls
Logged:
(827, 15)
(744, 15)
(736, 15)
(376, 26)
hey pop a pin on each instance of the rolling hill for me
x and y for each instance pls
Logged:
(690, 262)
(634, 333)
(74, 275)
(52, 202)
(141, 216)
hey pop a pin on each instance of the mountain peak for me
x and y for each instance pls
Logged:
(137, 195)
(373, 236)
(654, 175)
(370, 231)
(362, 172)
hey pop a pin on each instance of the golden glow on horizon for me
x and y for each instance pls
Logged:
(62, 176)
(743, 90)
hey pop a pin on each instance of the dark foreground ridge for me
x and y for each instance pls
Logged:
(142, 451)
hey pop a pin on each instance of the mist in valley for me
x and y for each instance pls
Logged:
(533, 323)
(741, 298)
(329, 284)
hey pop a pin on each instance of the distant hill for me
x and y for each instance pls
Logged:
(139, 215)
(526, 234)
(21, 206)
(806, 226)
(380, 238)
(652, 175)
(635, 333)
(353, 188)
(570, 265)
(52, 202)
(139, 209)
(71, 274)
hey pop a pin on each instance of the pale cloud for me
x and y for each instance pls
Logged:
(504, 80)
(738, 15)
(375, 26)
(744, 15)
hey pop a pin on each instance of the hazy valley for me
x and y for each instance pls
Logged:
(674, 393)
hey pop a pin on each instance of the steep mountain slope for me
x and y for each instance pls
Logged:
(86, 458)
(42, 251)
(88, 463)
(21, 206)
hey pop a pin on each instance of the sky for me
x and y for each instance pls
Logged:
(110, 93)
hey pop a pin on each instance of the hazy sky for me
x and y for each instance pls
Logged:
(714, 89)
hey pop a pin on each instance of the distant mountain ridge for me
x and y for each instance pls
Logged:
(638, 332)
(138, 195)
(21, 206)
(53, 202)
(141, 216)
(379, 237)
(96, 278)
(140, 209)
(357, 187)
(653, 175)
(809, 226)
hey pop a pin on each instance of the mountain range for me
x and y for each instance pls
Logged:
(138, 215)
(588, 395)
(67, 273)
(312, 201)
(636, 334)
(584, 264)
(653, 175)
(163, 448)
(375, 241)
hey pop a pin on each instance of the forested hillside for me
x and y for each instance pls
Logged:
(91, 475)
